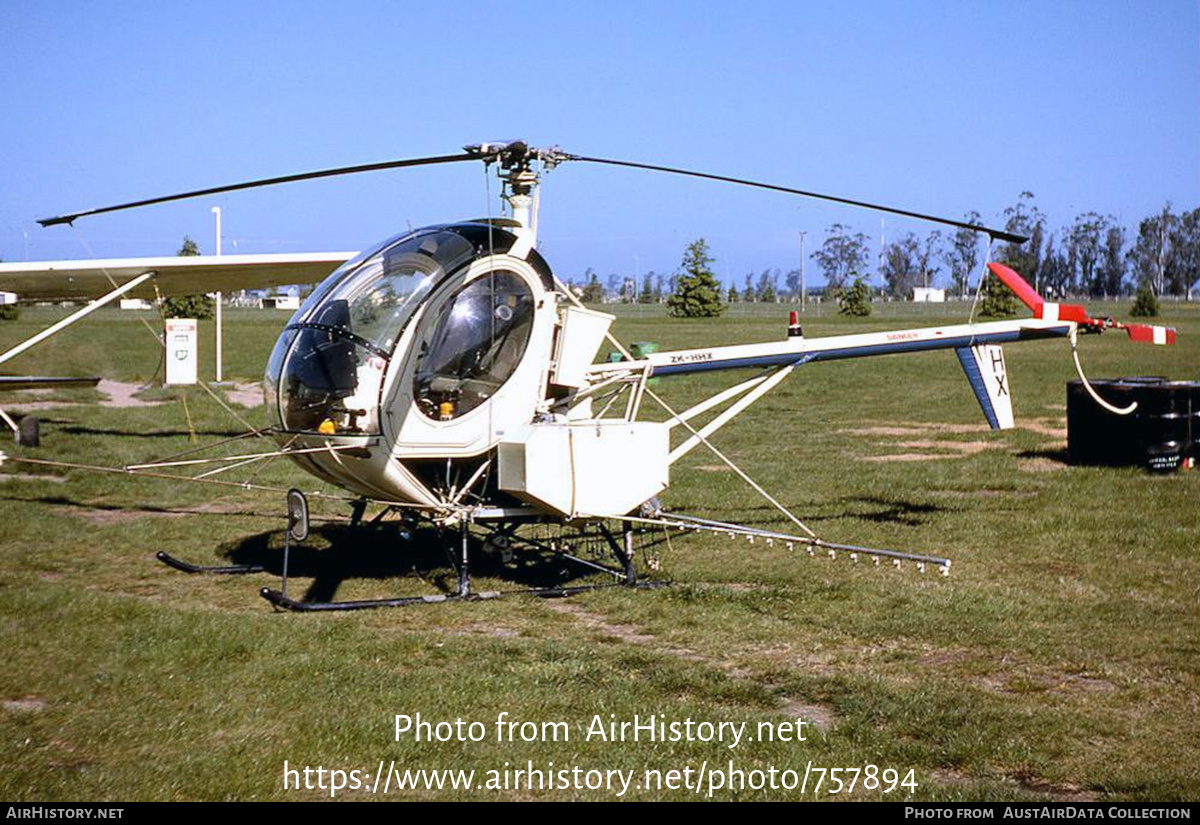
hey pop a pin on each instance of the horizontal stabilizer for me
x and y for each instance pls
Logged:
(988, 377)
(1150, 333)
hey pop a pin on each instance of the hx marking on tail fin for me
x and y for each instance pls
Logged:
(988, 376)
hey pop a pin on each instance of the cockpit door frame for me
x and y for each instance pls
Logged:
(414, 434)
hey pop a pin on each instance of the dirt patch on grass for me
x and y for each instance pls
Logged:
(821, 718)
(1058, 793)
(958, 428)
(481, 629)
(101, 516)
(787, 657)
(962, 447)
(1086, 684)
(621, 631)
(907, 457)
(30, 477)
(118, 394)
(1040, 465)
(217, 507)
(738, 587)
(1055, 428)
(971, 494)
(1027, 680)
(894, 432)
(246, 395)
(946, 776)
(121, 394)
(909, 435)
(906, 428)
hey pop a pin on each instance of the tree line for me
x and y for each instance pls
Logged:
(1091, 256)
(768, 286)
(1094, 256)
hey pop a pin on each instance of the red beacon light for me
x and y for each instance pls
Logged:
(794, 329)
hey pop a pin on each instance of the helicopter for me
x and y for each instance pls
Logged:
(448, 376)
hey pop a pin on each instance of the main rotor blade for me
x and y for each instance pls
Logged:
(994, 233)
(216, 190)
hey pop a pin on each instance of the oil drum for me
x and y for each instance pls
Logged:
(1159, 435)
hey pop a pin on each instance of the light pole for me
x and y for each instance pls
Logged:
(803, 287)
(216, 210)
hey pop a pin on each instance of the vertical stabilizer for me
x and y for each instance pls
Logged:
(988, 376)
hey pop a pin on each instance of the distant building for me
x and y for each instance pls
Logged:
(245, 298)
(928, 295)
(136, 303)
(281, 302)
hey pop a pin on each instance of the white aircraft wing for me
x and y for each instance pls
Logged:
(187, 275)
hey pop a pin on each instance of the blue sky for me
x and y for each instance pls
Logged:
(938, 107)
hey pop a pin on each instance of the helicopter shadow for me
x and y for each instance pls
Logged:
(337, 553)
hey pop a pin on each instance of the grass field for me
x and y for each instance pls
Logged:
(1059, 660)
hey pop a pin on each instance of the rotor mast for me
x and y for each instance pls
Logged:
(520, 171)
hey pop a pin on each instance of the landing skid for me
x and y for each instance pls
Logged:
(621, 547)
(277, 598)
(621, 550)
(217, 570)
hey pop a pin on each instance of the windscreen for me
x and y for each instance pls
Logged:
(328, 367)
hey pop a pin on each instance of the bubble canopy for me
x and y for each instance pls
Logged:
(326, 372)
